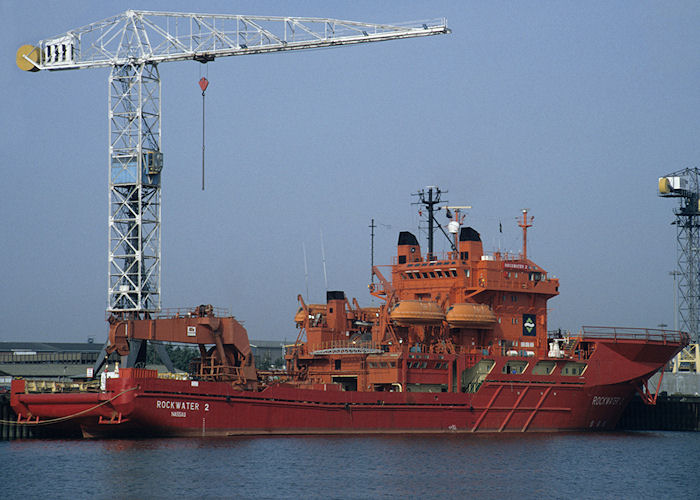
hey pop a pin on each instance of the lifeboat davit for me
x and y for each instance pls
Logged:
(471, 316)
(417, 312)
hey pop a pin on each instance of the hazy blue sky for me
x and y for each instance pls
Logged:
(571, 109)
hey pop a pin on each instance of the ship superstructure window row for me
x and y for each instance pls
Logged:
(437, 273)
(573, 369)
(435, 265)
(424, 364)
(514, 367)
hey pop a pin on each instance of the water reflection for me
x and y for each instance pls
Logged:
(582, 465)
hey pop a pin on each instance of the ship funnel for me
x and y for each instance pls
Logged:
(409, 249)
(470, 247)
(335, 309)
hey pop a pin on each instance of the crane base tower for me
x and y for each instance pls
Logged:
(685, 186)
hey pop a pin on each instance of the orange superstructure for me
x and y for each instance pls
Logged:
(452, 307)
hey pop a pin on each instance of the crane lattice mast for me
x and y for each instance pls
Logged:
(132, 44)
(685, 185)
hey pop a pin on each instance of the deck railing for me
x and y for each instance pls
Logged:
(648, 334)
(340, 345)
(188, 312)
(210, 369)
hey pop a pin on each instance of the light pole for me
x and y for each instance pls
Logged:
(675, 299)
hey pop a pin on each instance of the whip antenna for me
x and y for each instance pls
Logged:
(323, 255)
(306, 271)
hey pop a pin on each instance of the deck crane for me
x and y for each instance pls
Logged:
(133, 44)
(685, 186)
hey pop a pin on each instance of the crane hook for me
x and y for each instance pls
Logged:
(203, 84)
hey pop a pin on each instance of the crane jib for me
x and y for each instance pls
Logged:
(139, 37)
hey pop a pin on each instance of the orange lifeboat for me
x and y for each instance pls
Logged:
(417, 312)
(471, 316)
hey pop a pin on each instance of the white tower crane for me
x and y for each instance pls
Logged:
(132, 44)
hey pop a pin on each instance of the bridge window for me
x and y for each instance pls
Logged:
(573, 369)
(514, 367)
(543, 368)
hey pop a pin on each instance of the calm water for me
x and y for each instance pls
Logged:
(606, 465)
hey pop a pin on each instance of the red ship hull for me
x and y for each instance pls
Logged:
(140, 404)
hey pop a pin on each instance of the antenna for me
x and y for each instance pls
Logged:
(525, 224)
(430, 199)
(372, 226)
(323, 256)
(306, 270)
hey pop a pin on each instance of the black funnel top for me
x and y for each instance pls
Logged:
(335, 295)
(406, 238)
(469, 234)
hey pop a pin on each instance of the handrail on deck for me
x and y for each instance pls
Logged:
(623, 333)
(188, 312)
(338, 344)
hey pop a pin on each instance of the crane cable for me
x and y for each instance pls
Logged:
(68, 417)
(203, 84)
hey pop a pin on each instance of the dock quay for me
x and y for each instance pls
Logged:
(676, 412)
(9, 431)
(677, 406)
